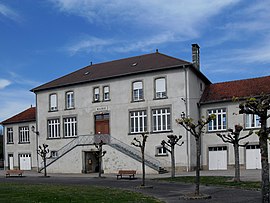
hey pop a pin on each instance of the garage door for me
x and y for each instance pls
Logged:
(218, 158)
(253, 157)
(25, 161)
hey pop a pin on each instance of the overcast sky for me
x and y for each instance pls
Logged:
(41, 40)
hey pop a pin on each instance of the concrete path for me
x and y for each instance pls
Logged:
(167, 192)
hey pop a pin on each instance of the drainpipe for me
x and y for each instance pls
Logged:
(4, 148)
(186, 110)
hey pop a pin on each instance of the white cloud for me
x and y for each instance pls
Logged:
(4, 83)
(9, 13)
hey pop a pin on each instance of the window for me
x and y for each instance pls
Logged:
(9, 135)
(138, 121)
(161, 119)
(220, 122)
(161, 151)
(160, 88)
(106, 93)
(70, 100)
(24, 134)
(96, 94)
(70, 127)
(54, 154)
(53, 128)
(137, 91)
(252, 121)
(53, 102)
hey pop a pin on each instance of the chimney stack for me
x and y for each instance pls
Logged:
(196, 56)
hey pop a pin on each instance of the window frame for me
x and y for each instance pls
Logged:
(10, 135)
(56, 128)
(165, 96)
(106, 98)
(135, 121)
(158, 116)
(213, 125)
(70, 101)
(252, 120)
(53, 108)
(70, 126)
(139, 95)
(96, 99)
(24, 135)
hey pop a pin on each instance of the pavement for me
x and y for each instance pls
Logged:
(165, 191)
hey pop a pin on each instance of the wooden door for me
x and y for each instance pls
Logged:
(102, 124)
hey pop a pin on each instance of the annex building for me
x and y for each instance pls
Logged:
(118, 100)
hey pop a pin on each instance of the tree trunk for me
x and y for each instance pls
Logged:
(264, 160)
(197, 181)
(45, 167)
(236, 163)
(143, 169)
(173, 162)
(100, 161)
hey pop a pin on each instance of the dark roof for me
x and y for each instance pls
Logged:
(225, 91)
(26, 116)
(122, 67)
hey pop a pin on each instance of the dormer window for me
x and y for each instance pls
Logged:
(53, 102)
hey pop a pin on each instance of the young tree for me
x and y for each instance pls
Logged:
(261, 106)
(43, 151)
(170, 146)
(141, 144)
(233, 137)
(196, 129)
(100, 154)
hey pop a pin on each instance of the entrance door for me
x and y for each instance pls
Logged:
(253, 157)
(218, 158)
(25, 161)
(10, 162)
(91, 162)
(102, 125)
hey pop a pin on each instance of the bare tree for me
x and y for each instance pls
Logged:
(170, 147)
(100, 154)
(141, 144)
(196, 129)
(43, 151)
(233, 137)
(261, 106)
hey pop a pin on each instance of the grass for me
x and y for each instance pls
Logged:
(217, 181)
(49, 193)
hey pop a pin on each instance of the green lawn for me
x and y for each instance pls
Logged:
(217, 181)
(43, 193)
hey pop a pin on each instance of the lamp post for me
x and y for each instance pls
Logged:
(37, 134)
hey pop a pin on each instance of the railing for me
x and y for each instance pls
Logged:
(134, 153)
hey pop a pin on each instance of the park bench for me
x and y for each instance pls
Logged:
(130, 173)
(14, 172)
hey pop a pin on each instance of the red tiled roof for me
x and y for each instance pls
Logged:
(122, 67)
(26, 116)
(225, 91)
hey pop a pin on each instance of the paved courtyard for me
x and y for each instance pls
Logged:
(168, 192)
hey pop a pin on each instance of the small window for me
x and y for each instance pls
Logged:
(96, 94)
(24, 134)
(160, 88)
(220, 122)
(53, 102)
(54, 154)
(70, 100)
(106, 93)
(161, 151)
(9, 135)
(252, 121)
(137, 91)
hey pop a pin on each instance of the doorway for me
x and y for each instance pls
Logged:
(102, 124)
(10, 162)
(91, 162)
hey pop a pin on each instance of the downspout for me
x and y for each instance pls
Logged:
(4, 147)
(37, 135)
(186, 105)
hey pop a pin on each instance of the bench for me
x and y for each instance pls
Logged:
(14, 172)
(130, 173)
